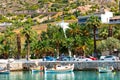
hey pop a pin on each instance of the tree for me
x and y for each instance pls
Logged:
(29, 35)
(103, 32)
(116, 31)
(8, 42)
(93, 23)
(18, 45)
(45, 48)
(81, 39)
(109, 44)
(18, 24)
(55, 36)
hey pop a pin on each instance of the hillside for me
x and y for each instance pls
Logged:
(47, 11)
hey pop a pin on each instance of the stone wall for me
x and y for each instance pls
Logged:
(78, 65)
(16, 66)
(13, 66)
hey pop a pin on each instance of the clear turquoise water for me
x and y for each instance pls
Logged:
(76, 75)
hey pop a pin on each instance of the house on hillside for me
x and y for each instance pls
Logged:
(104, 17)
(114, 20)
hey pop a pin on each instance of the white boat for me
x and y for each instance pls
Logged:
(105, 69)
(60, 68)
(37, 69)
(4, 71)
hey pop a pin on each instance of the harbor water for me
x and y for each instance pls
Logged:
(76, 75)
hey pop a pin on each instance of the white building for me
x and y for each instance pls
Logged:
(104, 17)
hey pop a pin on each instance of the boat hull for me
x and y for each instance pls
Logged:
(5, 72)
(58, 71)
(61, 69)
(36, 70)
(104, 70)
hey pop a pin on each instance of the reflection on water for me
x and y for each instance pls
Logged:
(85, 75)
(76, 75)
(54, 76)
(4, 77)
(92, 75)
(106, 76)
(60, 76)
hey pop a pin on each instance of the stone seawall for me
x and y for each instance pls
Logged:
(78, 65)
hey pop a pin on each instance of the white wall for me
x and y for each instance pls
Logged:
(105, 17)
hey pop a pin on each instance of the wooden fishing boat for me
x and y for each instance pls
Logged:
(60, 68)
(4, 71)
(37, 69)
(105, 69)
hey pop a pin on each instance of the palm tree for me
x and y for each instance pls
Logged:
(18, 46)
(81, 37)
(29, 34)
(45, 48)
(93, 23)
(18, 24)
(35, 49)
(8, 41)
(55, 36)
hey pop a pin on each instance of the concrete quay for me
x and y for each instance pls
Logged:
(88, 65)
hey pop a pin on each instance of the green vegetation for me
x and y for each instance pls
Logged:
(80, 39)
(68, 8)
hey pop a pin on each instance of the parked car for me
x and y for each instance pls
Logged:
(49, 58)
(109, 57)
(65, 58)
(85, 59)
(81, 58)
(91, 57)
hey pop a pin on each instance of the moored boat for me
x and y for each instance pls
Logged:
(37, 69)
(105, 69)
(4, 71)
(60, 68)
